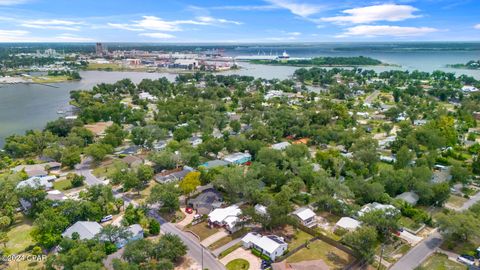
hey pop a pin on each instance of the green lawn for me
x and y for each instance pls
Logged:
(19, 238)
(409, 223)
(456, 201)
(441, 262)
(229, 250)
(227, 239)
(238, 264)
(299, 239)
(202, 230)
(332, 256)
(62, 184)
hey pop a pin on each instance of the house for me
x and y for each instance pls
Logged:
(160, 145)
(206, 201)
(214, 163)
(98, 129)
(409, 197)
(419, 122)
(306, 216)
(375, 206)
(38, 170)
(271, 245)
(147, 96)
(131, 150)
(303, 265)
(84, 229)
(36, 182)
(469, 89)
(280, 146)
(195, 141)
(260, 209)
(56, 195)
(225, 217)
(238, 158)
(136, 233)
(132, 161)
(347, 223)
(173, 175)
(388, 159)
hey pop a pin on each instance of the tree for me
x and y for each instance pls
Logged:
(153, 227)
(404, 157)
(70, 156)
(384, 221)
(76, 180)
(190, 183)
(113, 234)
(48, 228)
(138, 251)
(130, 180)
(114, 135)
(144, 173)
(164, 160)
(169, 247)
(456, 225)
(363, 241)
(166, 195)
(98, 151)
(460, 174)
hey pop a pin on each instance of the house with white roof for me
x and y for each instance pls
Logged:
(409, 197)
(238, 158)
(375, 206)
(271, 245)
(228, 217)
(84, 229)
(348, 223)
(306, 217)
(36, 182)
(147, 96)
(260, 209)
(280, 146)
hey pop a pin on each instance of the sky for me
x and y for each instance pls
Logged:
(232, 21)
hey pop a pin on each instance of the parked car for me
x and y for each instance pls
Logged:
(189, 210)
(466, 259)
(106, 218)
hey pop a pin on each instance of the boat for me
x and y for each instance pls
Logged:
(284, 55)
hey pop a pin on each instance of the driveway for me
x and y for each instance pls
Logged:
(241, 253)
(473, 200)
(419, 253)
(214, 237)
(84, 169)
(187, 220)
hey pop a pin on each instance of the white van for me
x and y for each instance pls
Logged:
(106, 218)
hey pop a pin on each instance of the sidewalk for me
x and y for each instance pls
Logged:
(230, 244)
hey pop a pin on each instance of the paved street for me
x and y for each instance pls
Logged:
(194, 248)
(84, 169)
(473, 200)
(419, 253)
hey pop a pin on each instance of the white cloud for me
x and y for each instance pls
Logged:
(5, 34)
(385, 12)
(52, 24)
(211, 20)
(477, 26)
(387, 30)
(247, 8)
(295, 34)
(154, 23)
(158, 35)
(72, 38)
(300, 9)
(12, 2)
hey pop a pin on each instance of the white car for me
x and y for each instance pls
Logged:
(466, 259)
(106, 218)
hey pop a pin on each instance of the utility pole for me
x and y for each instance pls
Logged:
(381, 255)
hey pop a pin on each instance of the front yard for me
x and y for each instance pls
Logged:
(441, 262)
(62, 185)
(456, 201)
(227, 239)
(19, 238)
(202, 230)
(332, 256)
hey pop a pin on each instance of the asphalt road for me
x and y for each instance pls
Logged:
(194, 248)
(419, 253)
(84, 169)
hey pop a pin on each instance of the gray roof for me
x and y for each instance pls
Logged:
(206, 201)
(85, 229)
(409, 197)
(174, 176)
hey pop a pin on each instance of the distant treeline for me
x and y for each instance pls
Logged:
(72, 75)
(469, 65)
(323, 61)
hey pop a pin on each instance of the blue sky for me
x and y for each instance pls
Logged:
(269, 21)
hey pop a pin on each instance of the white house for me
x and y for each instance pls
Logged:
(35, 182)
(409, 197)
(261, 209)
(238, 158)
(85, 230)
(306, 216)
(147, 96)
(225, 217)
(348, 223)
(271, 245)
(375, 206)
(280, 146)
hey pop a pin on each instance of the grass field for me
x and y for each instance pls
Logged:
(19, 238)
(456, 201)
(238, 264)
(50, 79)
(441, 262)
(62, 184)
(227, 239)
(202, 230)
(332, 256)
(95, 66)
(299, 239)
